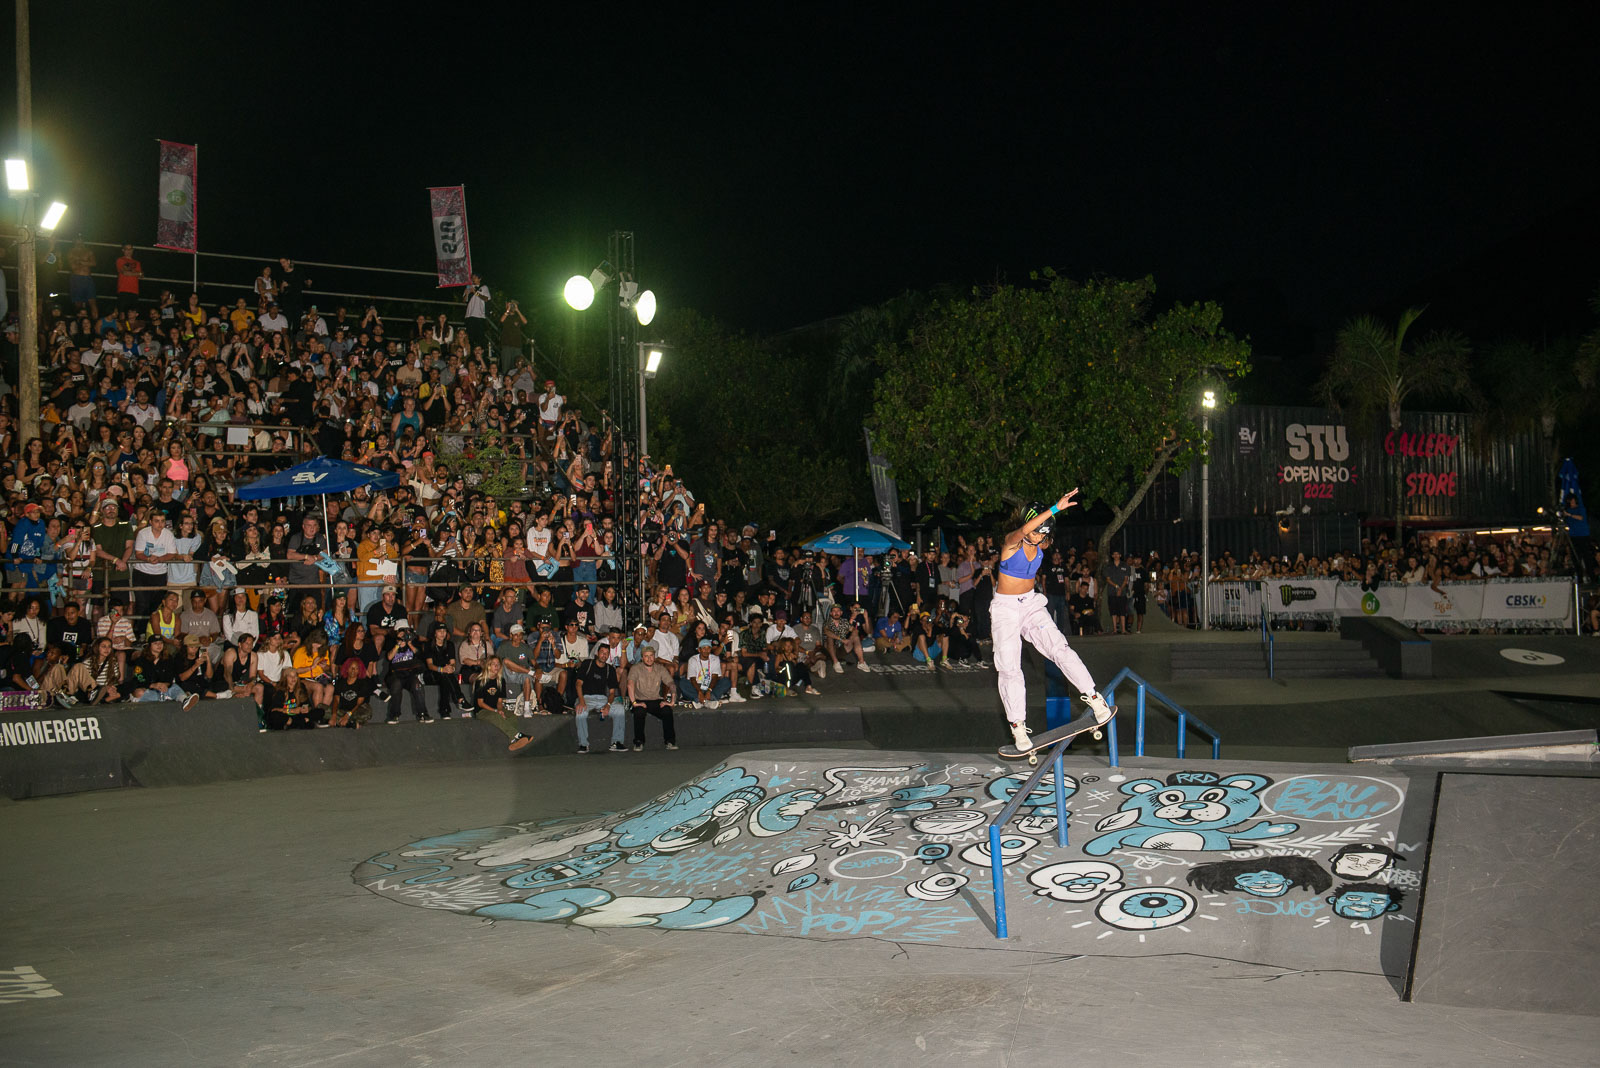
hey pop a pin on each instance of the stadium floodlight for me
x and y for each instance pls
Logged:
(579, 292)
(645, 307)
(52, 216)
(17, 176)
(652, 360)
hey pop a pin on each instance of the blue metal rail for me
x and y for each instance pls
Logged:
(1143, 690)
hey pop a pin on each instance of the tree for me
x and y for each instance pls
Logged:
(1372, 370)
(1022, 392)
(737, 418)
(1532, 384)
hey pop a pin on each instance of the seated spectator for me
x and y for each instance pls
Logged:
(703, 681)
(839, 633)
(289, 707)
(153, 675)
(890, 634)
(789, 670)
(925, 647)
(651, 692)
(1081, 609)
(596, 686)
(753, 659)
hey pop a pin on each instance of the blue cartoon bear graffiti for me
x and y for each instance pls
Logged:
(1192, 810)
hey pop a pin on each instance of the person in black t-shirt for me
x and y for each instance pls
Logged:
(490, 700)
(70, 631)
(1057, 577)
(352, 696)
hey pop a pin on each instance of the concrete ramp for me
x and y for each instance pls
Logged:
(1510, 917)
(1298, 866)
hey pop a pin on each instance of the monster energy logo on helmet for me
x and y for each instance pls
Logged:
(1038, 509)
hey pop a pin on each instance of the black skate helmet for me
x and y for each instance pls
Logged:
(1036, 508)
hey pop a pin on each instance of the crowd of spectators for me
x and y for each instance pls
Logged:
(136, 574)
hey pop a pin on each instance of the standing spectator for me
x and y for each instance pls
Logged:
(550, 404)
(650, 692)
(292, 286)
(129, 271)
(153, 548)
(476, 296)
(1118, 576)
(81, 263)
(305, 548)
(512, 337)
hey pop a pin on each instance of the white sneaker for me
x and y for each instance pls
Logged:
(862, 665)
(734, 698)
(822, 671)
(1021, 737)
(1097, 704)
(713, 704)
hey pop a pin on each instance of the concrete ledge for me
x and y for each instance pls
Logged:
(1398, 649)
(57, 751)
(1545, 745)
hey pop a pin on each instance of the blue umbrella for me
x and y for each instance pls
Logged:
(318, 476)
(863, 537)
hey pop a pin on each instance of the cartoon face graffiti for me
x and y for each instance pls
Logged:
(1079, 880)
(1365, 901)
(708, 826)
(1189, 811)
(1262, 883)
(1363, 861)
(559, 871)
(1261, 876)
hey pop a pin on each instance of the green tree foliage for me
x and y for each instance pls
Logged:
(738, 418)
(1020, 392)
(1373, 371)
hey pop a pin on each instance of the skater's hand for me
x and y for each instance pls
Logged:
(1066, 502)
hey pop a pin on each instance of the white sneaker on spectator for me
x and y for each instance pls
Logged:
(713, 704)
(734, 698)
(862, 665)
(822, 671)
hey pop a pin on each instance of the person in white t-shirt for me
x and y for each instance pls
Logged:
(550, 404)
(539, 536)
(779, 628)
(665, 639)
(703, 682)
(142, 411)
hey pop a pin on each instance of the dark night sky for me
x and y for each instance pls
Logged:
(784, 167)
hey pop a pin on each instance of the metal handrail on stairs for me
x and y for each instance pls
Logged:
(1142, 690)
(1270, 640)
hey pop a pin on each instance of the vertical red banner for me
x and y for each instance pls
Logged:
(178, 211)
(451, 249)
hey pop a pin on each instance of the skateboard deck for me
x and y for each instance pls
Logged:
(1083, 723)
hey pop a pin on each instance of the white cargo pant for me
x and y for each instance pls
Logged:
(1014, 617)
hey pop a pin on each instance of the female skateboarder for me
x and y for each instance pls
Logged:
(1019, 613)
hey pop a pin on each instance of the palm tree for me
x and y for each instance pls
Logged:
(1528, 385)
(1372, 370)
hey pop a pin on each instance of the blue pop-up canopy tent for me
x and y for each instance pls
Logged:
(1569, 484)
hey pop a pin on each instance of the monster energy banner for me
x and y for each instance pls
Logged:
(1500, 602)
(883, 487)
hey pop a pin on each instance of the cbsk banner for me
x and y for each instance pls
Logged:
(178, 211)
(451, 249)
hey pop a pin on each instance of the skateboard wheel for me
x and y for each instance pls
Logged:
(1033, 760)
(1098, 735)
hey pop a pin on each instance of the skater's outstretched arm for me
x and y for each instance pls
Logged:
(1014, 539)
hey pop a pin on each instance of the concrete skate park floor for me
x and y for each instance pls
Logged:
(218, 925)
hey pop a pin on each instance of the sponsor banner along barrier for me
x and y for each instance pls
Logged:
(1501, 602)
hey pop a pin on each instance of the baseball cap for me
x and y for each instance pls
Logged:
(518, 628)
(705, 643)
(403, 624)
(648, 647)
(192, 641)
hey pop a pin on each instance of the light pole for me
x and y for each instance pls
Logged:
(629, 309)
(1208, 401)
(19, 185)
(650, 356)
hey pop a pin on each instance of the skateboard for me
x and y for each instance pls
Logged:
(1085, 722)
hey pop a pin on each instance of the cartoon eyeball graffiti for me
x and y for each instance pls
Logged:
(1147, 909)
(933, 851)
(958, 821)
(1013, 847)
(1036, 824)
(939, 887)
(1079, 880)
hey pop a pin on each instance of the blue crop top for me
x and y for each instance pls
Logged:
(1023, 568)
